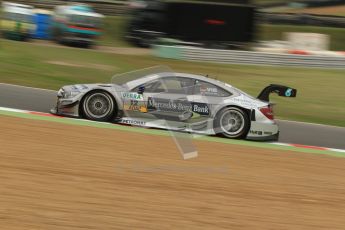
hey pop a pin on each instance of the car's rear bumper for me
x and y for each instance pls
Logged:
(263, 131)
(274, 137)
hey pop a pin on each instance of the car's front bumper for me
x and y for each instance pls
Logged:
(71, 109)
(66, 106)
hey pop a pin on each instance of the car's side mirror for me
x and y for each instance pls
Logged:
(141, 89)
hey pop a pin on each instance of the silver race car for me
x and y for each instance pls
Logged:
(160, 98)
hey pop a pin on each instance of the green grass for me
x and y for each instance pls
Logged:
(320, 98)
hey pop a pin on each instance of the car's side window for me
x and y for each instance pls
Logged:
(152, 87)
(155, 87)
(178, 85)
(207, 89)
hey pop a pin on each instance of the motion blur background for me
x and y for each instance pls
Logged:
(246, 43)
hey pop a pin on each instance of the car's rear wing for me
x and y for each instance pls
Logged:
(283, 91)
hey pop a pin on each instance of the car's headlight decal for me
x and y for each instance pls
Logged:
(71, 94)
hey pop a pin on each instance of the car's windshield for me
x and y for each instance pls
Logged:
(132, 79)
(170, 84)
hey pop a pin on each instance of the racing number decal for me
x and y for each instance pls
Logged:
(135, 106)
(288, 93)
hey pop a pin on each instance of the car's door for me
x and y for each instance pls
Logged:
(166, 98)
(174, 103)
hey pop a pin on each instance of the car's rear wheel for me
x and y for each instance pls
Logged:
(98, 106)
(232, 122)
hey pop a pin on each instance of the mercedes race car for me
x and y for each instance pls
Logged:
(161, 98)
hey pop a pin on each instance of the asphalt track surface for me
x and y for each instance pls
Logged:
(42, 100)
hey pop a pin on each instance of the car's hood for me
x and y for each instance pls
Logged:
(88, 87)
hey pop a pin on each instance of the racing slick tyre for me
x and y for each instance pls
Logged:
(98, 106)
(232, 122)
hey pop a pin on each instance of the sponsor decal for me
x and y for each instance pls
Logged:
(132, 96)
(254, 132)
(134, 106)
(200, 108)
(166, 105)
(204, 90)
(244, 102)
(132, 122)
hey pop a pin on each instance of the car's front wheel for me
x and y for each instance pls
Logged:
(232, 122)
(98, 106)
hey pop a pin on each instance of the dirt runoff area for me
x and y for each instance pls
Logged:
(57, 176)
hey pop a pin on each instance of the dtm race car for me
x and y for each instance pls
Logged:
(160, 98)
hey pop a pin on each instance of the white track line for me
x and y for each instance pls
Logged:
(308, 146)
(13, 110)
(308, 123)
(337, 150)
(279, 143)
